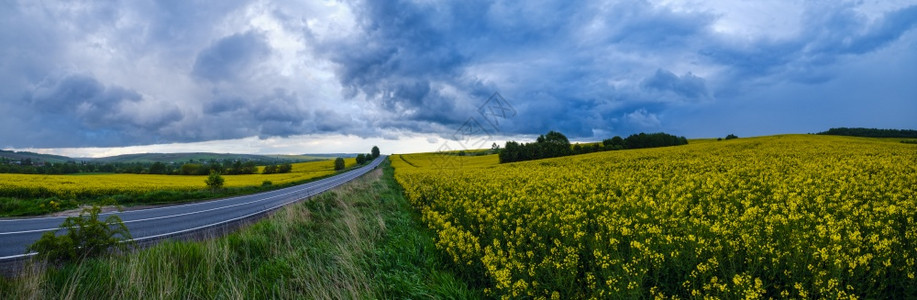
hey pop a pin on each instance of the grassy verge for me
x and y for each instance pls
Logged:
(361, 240)
(43, 204)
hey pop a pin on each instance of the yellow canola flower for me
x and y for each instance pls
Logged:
(790, 215)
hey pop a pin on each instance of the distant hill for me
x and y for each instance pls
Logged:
(171, 157)
(308, 157)
(200, 156)
(318, 155)
(35, 157)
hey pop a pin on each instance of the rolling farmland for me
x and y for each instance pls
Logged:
(70, 186)
(795, 216)
(23, 190)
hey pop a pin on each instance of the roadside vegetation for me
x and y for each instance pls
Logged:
(85, 236)
(359, 241)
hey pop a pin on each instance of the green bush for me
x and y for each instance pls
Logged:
(338, 164)
(214, 181)
(85, 237)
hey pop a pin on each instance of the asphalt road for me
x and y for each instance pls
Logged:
(152, 223)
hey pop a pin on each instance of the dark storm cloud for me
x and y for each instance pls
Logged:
(560, 55)
(231, 56)
(67, 93)
(279, 113)
(223, 104)
(560, 58)
(827, 34)
(402, 59)
(86, 112)
(140, 72)
(686, 86)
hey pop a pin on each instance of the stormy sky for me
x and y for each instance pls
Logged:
(89, 78)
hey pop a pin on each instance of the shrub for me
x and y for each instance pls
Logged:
(214, 181)
(85, 237)
(269, 169)
(266, 183)
(731, 136)
(338, 164)
(190, 169)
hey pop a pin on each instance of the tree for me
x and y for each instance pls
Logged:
(554, 144)
(361, 159)
(731, 136)
(285, 168)
(214, 181)
(615, 143)
(215, 166)
(510, 153)
(338, 164)
(158, 168)
(872, 132)
(235, 168)
(643, 140)
(249, 167)
(269, 169)
(190, 169)
(86, 236)
(375, 152)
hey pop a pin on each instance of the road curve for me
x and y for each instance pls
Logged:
(159, 222)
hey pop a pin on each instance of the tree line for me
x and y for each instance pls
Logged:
(555, 144)
(871, 132)
(228, 167)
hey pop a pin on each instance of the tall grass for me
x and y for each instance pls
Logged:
(361, 240)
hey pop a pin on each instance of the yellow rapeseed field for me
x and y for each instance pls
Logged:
(793, 216)
(87, 186)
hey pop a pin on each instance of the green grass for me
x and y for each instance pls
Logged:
(361, 240)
